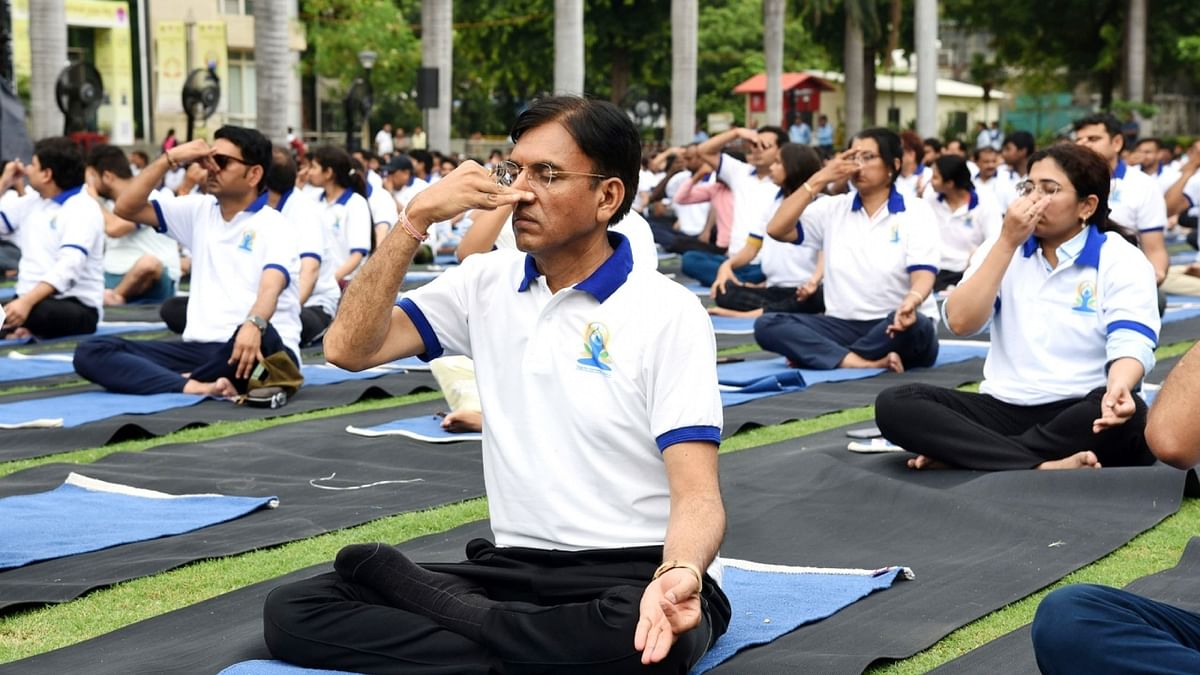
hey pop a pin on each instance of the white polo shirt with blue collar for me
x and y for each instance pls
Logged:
(302, 214)
(1135, 201)
(228, 260)
(1054, 331)
(753, 200)
(582, 391)
(383, 206)
(966, 228)
(61, 241)
(907, 185)
(347, 222)
(869, 257)
(784, 264)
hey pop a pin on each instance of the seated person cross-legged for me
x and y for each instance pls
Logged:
(602, 418)
(881, 253)
(244, 303)
(1074, 321)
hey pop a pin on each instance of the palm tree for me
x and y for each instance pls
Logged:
(852, 64)
(48, 49)
(273, 63)
(437, 52)
(1135, 51)
(568, 47)
(684, 37)
(773, 46)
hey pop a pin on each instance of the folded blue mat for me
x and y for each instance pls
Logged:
(84, 514)
(73, 410)
(727, 325)
(770, 601)
(33, 368)
(426, 428)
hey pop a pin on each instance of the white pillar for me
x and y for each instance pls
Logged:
(437, 52)
(684, 28)
(926, 24)
(48, 49)
(568, 47)
(773, 47)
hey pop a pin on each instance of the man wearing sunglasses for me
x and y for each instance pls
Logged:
(601, 424)
(245, 273)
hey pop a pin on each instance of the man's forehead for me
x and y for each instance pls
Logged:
(1092, 131)
(225, 147)
(549, 142)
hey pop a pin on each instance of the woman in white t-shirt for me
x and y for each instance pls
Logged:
(966, 217)
(345, 212)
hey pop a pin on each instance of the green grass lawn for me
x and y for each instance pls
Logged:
(36, 630)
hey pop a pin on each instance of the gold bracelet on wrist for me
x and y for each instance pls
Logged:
(920, 298)
(811, 191)
(171, 163)
(679, 564)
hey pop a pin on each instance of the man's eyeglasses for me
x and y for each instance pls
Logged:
(1047, 188)
(223, 161)
(541, 174)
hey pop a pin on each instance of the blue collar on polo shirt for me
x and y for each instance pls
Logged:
(370, 188)
(63, 196)
(1160, 168)
(1119, 172)
(607, 278)
(920, 169)
(257, 204)
(1083, 247)
(283, 199)
(895, 202)
(974, 201)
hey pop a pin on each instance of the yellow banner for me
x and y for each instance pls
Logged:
(211, 49)
(170, 65)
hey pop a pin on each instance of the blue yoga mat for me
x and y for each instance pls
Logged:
(8, 292)
(726, 325)
(116, 328)
(426, 428)
(1180, 314)
(769, 602)
(33, 368)
(317, 375)
(1185, 258)
(698, 289)
(77, 409)
(84, 514)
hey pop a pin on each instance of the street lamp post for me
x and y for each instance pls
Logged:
(358, 102)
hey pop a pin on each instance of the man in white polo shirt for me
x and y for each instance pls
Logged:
(60, 230)
(1134, 200)
(245, 267)
(601, 428)
(753, 197)
(1145, 156)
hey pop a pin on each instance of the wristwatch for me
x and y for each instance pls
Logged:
(259, 322)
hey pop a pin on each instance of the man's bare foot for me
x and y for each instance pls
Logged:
(890, 362)
(1080, 460)
(19, 333)
(222, 388)
(923, 462)
(112, 298)
(463, 421)
(721, 311)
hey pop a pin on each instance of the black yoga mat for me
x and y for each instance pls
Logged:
(24, 443)
(976, 541)
(280, 461)
(133, 312)
(1013, 653)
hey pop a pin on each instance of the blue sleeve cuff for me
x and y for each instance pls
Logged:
(359, 250)
(162, 221)
(76, 246)
(433, 347)
(757, 237)
(918, 268)
(1130, 344)
(704, 434)
(1139, 328)
(1154, 229)
(7, 224)
(310, 254)
(799, 233)
(287, 278)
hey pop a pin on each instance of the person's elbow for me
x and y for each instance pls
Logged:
(125, 209)
(340, 352)
(1170, 445)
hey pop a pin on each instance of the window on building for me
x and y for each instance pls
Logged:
(242, 86)
(239, 7)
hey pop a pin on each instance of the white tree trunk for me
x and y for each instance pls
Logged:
(437, 52)
(852, 57)
(48, 49)
(773, 46)
(925, 22)
(1135, 51)
(273, 68)
(568, 47)
(684, 37)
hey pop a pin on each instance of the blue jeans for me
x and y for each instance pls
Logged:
(820, 342)
(702, 266)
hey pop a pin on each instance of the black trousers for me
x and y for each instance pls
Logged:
(314, 321)
(60, 317)
(770, 299)
(174, 313)
(561, 611)
(976, 431)
(946, 278)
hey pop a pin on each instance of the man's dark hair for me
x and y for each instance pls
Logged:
(890, 149)
(256, 149)
(282, 176)
(64, 159)
(1111, 124)
(1022, 140)
(109, 158)
(139, 153)
(1158, 144)
(933, 143)
(603, 132)
(954, 170)
(955, 141)
(979, 152)
(781, 136)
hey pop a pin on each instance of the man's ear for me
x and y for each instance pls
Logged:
(255, 174)
(611, 193)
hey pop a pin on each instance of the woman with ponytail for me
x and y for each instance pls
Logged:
(345, 213)
(1074, 321)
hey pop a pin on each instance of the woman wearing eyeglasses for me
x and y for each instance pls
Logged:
(881, 254)
(1074, 321)
(966, 218)
(345, 212)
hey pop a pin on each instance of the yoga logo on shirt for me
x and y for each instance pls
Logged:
(968, 222)
(595, 349)
(1085, 297)
(247, 240)
(895, 238)
(53, 224)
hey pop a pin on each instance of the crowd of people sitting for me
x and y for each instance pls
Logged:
(845, 259)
